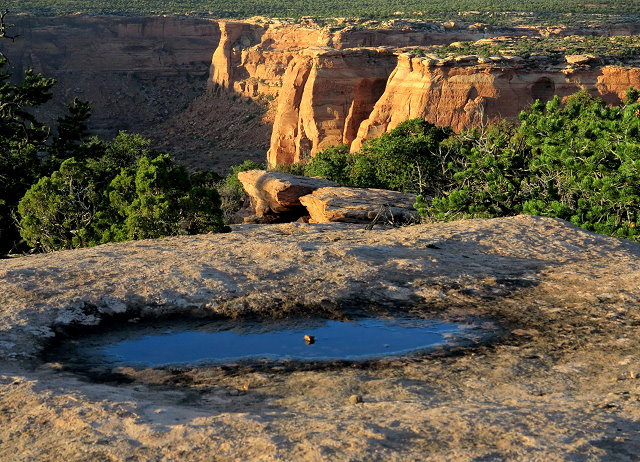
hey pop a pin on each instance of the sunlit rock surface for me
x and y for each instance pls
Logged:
(562, 383)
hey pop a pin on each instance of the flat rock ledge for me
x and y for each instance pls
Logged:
(562, 381)
(359, 205)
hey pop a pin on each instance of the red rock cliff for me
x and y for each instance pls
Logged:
(325, 95)
(333, 86)
(251, 59)
(461, 94)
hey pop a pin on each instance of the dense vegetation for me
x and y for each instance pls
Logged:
(61, 188)
(610, 50)
(578, 160)
(548, 11)
(408, 159)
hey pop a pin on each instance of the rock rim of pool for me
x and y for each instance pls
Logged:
(287, 270)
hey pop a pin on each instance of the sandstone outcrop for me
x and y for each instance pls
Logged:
(317, 85)
(276, 193)
(462, 93)
(344, 85)
(583, 59)
(359, 205)
(251, 59)
(325, 95)
(567, 303)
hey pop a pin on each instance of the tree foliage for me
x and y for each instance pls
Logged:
(60, 188)
(76, 207)
(578, 160)
(22, 138)
(58, 211)
(491, 11)
(409, 158)
(160, 198)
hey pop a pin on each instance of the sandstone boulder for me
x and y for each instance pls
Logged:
(583, 59)
(274, 193)
(359, 205)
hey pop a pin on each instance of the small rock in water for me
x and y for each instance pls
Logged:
(355, 399)
(309, 339)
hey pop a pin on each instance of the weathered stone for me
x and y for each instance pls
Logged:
(359, 205)
(582, 59)
(524, 395)
(462, 96)
(325, 95)
(277, 192)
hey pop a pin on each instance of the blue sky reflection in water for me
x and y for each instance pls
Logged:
(350, 340)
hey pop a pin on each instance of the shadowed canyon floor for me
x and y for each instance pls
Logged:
(561, 383)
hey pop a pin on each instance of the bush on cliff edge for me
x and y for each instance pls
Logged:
(578, 160)
(84, 203)
(410, 158)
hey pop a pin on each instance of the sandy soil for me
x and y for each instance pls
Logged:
(561, 383)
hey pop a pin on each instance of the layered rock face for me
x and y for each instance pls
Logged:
(325, 96)
(461, 93)
(346, 85)
(136, 72)
(251, 59)
(317, 86)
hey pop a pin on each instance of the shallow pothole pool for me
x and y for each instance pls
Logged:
(223, 342)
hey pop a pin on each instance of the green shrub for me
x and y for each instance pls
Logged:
(58, 211)
(579, 161)
(333, 163)
(159, 199)
(22, 138)
(410, 158)
(291, 169)
(76, 206)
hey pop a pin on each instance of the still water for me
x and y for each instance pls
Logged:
(219, 342)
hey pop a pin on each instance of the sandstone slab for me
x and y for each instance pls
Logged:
(276, 192)
(359, 205)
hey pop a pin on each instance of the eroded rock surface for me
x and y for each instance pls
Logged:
(562, 383)
(278, 193)
(328, 86)
(359, 205)
(325, 96)
(461, 93)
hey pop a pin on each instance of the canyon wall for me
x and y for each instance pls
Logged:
(252, 57)
(211, 91)
(136, 72)
(465, 93)
(326, 94)
(330, 86)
